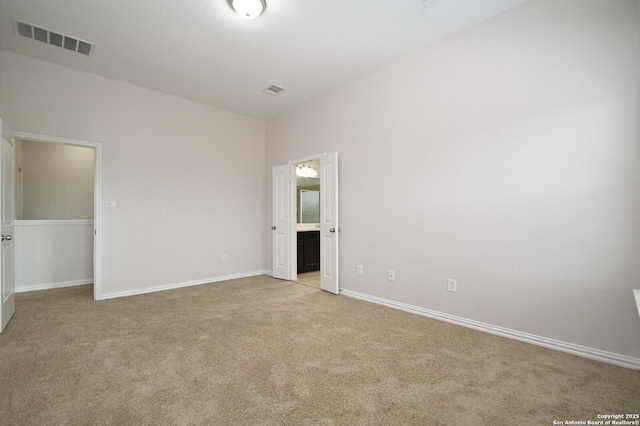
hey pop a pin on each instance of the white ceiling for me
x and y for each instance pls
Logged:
(201, 50)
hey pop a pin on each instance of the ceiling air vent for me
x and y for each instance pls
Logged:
(53, 38)
(429, 3)
(273, 90)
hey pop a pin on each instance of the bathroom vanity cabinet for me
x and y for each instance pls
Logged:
(308, 251)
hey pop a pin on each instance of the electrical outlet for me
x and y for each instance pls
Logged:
(224, 258)
(452, 285)
(392, 275)
(359, 270)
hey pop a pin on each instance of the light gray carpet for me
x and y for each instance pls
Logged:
(260, 351)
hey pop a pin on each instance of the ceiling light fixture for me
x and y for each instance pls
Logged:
(305, 170)
(248, 9)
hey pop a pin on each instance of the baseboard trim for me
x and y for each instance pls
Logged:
(583, 351)
(173, 286)
(50, 286)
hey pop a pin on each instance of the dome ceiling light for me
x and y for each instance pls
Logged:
(248, 9)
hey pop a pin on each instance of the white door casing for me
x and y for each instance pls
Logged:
(281, 222)
(329, 230)
(7, 194)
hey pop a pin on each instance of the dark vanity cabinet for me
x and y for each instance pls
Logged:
(308, 251)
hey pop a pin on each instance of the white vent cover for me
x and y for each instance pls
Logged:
(273, 90)
(53, 38)
(429, 3)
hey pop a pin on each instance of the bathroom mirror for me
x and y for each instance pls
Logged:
(308, 192)
(309, 206)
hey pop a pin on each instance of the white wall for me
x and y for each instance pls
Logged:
(188, 179)
(506, 157)
(57, 181)
(52, 254)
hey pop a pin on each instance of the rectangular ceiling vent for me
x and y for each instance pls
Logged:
(429, 3)
(273, 90)
(53, 38)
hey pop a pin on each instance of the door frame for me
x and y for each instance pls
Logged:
(97, 197)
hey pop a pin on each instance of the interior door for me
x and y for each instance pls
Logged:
(281, 222)
(7, 175)
(329, 222)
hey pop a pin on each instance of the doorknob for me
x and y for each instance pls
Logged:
(332, 230)
(6, 237)
(273, 227)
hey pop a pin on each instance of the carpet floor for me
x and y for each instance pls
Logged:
(261, 351)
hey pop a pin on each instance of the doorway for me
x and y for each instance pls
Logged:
(53, 215)
(285, 224)
(308, 191)
(83, 232)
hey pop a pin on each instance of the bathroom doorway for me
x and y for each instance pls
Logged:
(308, 191)
(285, 226)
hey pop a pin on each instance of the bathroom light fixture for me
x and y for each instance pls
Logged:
(248, 9)
(305, 170)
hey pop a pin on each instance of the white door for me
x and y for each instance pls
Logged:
(7, 165)
(329, 222)
(281, 222)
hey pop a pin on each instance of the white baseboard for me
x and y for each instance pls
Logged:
(172, 286)
(49, 286)
(583, 351)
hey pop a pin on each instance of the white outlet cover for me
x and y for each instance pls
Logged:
(452, 285)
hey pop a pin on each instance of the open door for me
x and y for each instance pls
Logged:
(281, 222)
(329, 222)
(7, 175)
